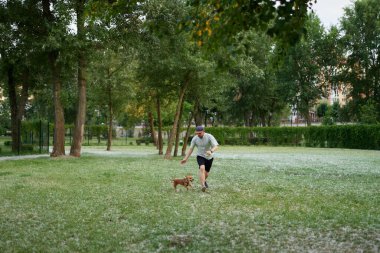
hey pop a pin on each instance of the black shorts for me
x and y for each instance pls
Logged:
(203, 161)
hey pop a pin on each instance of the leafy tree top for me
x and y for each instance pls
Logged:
(215, 22)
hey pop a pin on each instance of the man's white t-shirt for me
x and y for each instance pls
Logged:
(204, 144)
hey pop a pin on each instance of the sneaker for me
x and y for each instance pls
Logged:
(203, 188)
(206, 185)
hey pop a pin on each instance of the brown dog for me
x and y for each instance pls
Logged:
(186, 182)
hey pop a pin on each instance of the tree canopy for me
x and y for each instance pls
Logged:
(128, 62)
(218, 21)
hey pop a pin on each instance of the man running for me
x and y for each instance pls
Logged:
(207, 145)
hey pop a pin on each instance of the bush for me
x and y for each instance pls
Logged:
(145, 140)
(335, 136)
(27, 147)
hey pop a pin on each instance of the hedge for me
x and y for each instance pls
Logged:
(339, 136)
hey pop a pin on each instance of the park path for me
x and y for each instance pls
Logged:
(20, 157)
(277, 155)
(88, 151)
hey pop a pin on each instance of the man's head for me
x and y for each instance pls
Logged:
(199, 131)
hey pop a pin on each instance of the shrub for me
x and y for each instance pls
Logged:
(27, 147)
(342, 136)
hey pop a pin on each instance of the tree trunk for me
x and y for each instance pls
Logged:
(160, 142)
(59, 119)
(24, 94)
(176, 119)
(197, 114)
(81, 111)
(178, 129)
(17, 104)
(306, 116)
(262, 119)
(151, 125)
(15, 122)
(308, 120)
(247, 118)
(109, 139)
(183, 153)
(110, 111)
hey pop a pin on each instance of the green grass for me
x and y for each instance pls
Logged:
(260, 199)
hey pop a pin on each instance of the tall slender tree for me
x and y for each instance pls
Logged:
(76, 145)
(53, 51)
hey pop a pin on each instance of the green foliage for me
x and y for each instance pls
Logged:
(97, 130)
(5, 122)
(215, 22)
(254, 98)
(300, 70)
(337, 136)
(330, 114)
(361, 29)
(368, 113)
(321, 110)
(344, 113)
(328, 118)
(344, 136)
(33, 131)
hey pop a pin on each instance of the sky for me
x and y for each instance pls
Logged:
(329, 11)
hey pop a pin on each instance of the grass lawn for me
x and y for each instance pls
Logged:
(261, 199)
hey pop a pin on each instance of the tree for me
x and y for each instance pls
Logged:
(76, 145)
(18, 56)
(254, 100)
(300, 71)
(55, 33)
(331, 59)
(110, 83)
(165, 65)
(215, 22)
(322, 109)
(368, 113)
(361, 40)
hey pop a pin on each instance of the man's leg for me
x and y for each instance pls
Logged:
(206, 176)
(202, 175)
(208, 164)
